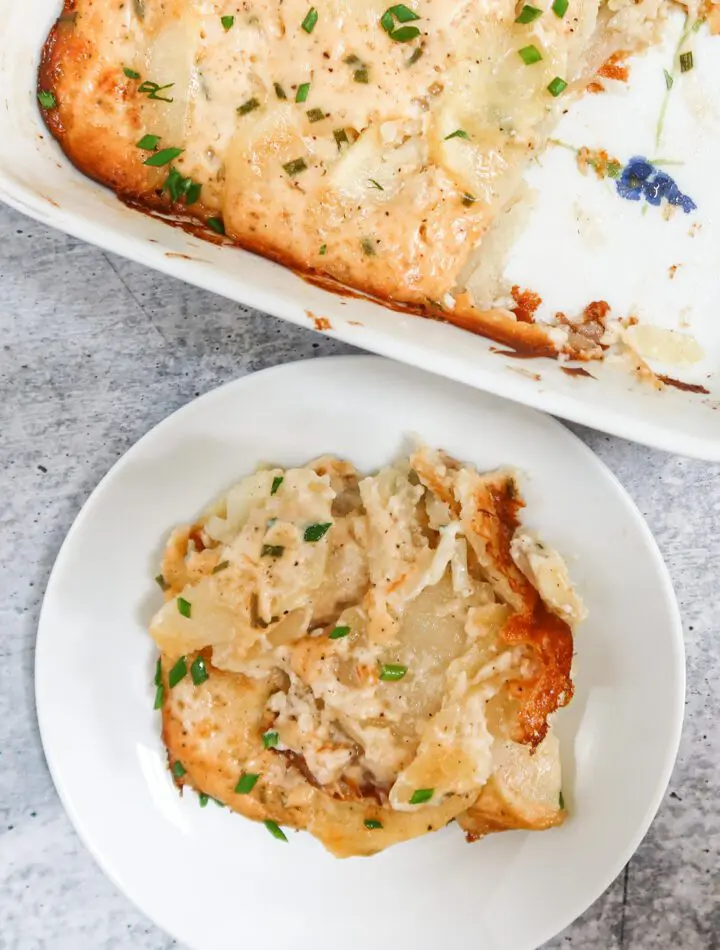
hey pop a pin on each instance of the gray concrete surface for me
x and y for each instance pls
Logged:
(95, 351)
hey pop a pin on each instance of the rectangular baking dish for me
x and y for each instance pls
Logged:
(36, 179)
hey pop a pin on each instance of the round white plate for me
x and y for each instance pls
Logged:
(216, 881)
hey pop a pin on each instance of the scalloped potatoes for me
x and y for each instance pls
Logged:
(368, 658)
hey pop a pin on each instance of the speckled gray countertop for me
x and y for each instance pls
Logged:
(96, 351)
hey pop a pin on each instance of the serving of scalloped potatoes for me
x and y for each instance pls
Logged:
(367, 658)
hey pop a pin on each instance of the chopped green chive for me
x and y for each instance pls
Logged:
(361, 75)
(279, 91)
(352, 60)
(131, 73)
(391, 672)
(178, 672)
(216, 225)
(337, 633)
(404, 34)
(151, 90)
(614, 169)
(367, 246)
(401, 13)
(184, 606)
(192, 191)
(457, 134)
(295, 167)
(158, 672)
(560, 8)
(315, 115)
(220, 567)
(275, 829)
(416, 54)
(311, 18)
(376, 184)
(178, 769)
(270, 739)
(421, 795)
(686, 62)
(148, 142)
(198, 671)
(246, 783)
(276, 483)
(314, 532)
(557, 86)
(248, 106)
(46, 99)
(163, 157)
(372, 823)
(468, 199)
(341, 137)
(323, 248)
(203, 799)
(227, 22)
(161, 582)
(528, 14)
(530, 54)
(272, 550)
(159, 696)
(303, 91)
(561, 800)
(668, 79)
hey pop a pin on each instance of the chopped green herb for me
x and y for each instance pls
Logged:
(203, 799)
(216, 225)
(246, 783)
(270, 739)
(151, 90)
(614, 169)
(178, 769)
(192, 191)
(468, 199)
(367, 246)
(557, 86)
(457, 134)
(560, 8)
(311, 18)
(276, 483)
(248, 106)
(314, 532)
(227, 22)
(198, 671)
(341, 137)
(303, 91)
(148, 142)
(376, 184)
(275, 829)
(421, 795)
(337, 633)
(315, 115)
(272, 550)
(405, 34)
(528, 14)
(402, 13)
(372, 823)
(416, 54)
(161, 582)
(131, 73)
(295, 167)
(279, 91)
(668, 80)
(686, 62)
(323, 248)
(46, 99)
(530, 54)
(220, 567)
(159, 696)
(361, 75)
(391, 672)
(178, 672)
(561, 800)
(184, 606)
(163, 157)
(158, 672)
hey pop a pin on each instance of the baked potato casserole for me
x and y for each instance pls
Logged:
(367, 658)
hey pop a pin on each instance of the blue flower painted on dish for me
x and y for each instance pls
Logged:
(641, 180)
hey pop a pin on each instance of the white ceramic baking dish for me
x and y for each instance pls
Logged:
(583, 243)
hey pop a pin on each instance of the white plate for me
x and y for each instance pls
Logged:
(217, 881)
(582, 243)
